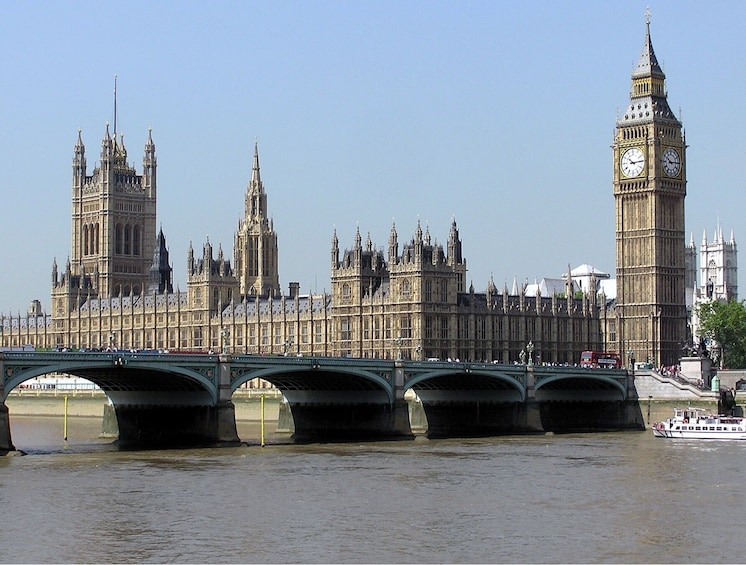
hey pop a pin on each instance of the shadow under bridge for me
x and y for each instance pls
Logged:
(469, 399)
(577, 399)
(333, 399)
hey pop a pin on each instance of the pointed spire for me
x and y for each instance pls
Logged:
(149, 145)
(647, 65)
(255, 176)
(648, 94)
(491, 288)
(393, 244)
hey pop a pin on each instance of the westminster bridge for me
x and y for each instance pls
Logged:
(173, 399)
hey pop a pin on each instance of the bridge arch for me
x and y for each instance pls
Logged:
(505, 383)
(117, 374)
(592, 384)
(315, 374)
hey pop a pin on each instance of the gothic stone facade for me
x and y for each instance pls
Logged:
(411, 302)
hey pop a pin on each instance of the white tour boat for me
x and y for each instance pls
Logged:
(696, 423)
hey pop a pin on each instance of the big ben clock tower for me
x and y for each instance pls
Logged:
(649, 191)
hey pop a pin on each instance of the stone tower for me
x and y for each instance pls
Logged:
(255, 243)
(649, 190)
(113, 224)
(719, 267)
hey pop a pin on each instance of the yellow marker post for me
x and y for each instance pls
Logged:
(261, 416)
(65, 421)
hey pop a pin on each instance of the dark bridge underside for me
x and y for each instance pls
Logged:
(161, 409)
(469, 405)
(320, 380)
(335, 406)
(132, 380)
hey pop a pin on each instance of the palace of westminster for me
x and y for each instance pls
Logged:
(410, 300)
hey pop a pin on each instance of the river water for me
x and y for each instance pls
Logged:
(612, 498)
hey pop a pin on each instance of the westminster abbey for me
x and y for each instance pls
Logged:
(407, 298)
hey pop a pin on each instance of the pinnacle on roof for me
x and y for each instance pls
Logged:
(149, 143)
(255, 176)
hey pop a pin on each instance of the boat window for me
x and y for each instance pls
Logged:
(697, 428)
(712, 428)
(719, 428)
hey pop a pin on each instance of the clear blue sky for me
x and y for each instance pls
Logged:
(500, 114)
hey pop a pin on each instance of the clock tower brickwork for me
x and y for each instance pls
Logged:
(649, 189)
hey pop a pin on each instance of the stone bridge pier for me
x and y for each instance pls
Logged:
(6, 444)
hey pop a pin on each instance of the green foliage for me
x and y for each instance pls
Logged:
(725, 324)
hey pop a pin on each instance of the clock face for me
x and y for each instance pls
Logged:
(633, 162)
(671, 162)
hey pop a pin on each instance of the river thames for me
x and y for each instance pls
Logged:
(612, 498)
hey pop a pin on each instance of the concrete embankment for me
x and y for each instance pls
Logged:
(91, 405)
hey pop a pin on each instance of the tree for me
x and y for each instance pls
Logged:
(724, 323)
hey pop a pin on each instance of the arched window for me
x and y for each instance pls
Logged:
(136, 241)
(118, 237)
(85, 240)
(92, 239)
(405, 289)
(127, 240)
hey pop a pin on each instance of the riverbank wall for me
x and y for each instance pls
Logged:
(92, 405)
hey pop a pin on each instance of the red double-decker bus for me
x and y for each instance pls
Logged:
(600, 360)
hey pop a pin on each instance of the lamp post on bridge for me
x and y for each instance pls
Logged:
(631, 361)
(398, 341)
(224, 335)
(530, 349)
(286, 346)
